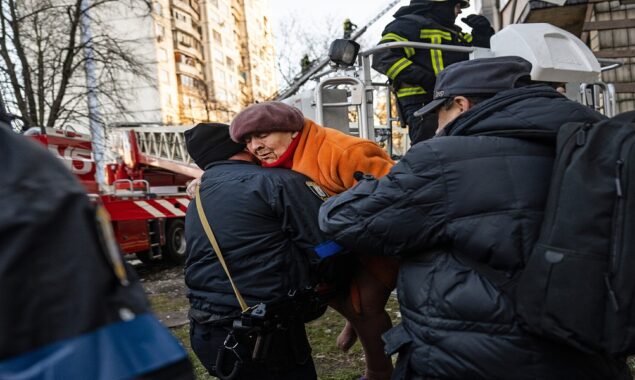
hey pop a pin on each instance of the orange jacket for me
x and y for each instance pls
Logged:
(330, 157)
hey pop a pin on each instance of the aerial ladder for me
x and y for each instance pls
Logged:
(145, 187)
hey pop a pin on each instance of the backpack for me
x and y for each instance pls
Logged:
(578, 286)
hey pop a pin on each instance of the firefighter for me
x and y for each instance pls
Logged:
(305, 64)
(470, 205)
(349, 28)
(265, 223)
(71, 308)
(412, 72)
(279, 136)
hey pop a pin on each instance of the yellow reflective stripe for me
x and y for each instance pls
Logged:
(398, 67)
(467, 37)
(410, 91)
(428, 33)
(397, 38)
(435, 56)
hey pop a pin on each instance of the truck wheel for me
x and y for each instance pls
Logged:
(174, 250)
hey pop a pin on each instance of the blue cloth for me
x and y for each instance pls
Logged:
(120, 350)
(328, 248)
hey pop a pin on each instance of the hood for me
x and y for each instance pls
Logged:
(535, 112)
(440, 12)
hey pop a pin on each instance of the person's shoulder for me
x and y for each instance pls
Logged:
(282, 175)
(406, 24)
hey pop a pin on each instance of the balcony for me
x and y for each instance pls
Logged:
(183, 68)
(190, 6)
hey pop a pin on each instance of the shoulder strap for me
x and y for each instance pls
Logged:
(212, 240)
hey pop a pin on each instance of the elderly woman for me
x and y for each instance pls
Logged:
(280, 136)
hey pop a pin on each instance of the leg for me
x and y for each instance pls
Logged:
(370, 323)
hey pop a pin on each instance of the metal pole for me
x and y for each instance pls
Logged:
(97, 133)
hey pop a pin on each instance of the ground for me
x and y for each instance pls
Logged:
(166, 290)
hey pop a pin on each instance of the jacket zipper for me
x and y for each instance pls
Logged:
(621, 187)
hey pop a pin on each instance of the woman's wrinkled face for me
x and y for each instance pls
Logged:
(268, 147)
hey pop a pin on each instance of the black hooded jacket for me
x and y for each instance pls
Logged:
(476, 194)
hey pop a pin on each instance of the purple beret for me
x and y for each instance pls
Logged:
(265, 117)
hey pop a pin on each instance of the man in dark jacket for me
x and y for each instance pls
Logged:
(70, 307)
(470, 198)
(412, 72)
(265, 222)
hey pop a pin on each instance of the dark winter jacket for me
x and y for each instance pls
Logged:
(474, 195)
(265, 221)
(64, 313)
(412, 71)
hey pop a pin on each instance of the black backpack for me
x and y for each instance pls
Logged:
(578, 286)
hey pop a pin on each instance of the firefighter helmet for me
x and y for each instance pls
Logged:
(464, 3)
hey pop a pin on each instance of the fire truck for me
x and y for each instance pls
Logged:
(145, 196)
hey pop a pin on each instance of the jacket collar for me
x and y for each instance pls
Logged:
(521, 112)
(228, 162)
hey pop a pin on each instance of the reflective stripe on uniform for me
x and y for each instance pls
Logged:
(398, 67)
(410, 91)
(436, 36)
(467, 37)
(397, 38)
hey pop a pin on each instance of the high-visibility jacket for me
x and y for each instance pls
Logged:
(411, 71)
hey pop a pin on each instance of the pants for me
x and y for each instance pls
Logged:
(420, 128)
(289, 360)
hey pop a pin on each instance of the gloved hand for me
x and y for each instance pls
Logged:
(481, 29)
(478, 23)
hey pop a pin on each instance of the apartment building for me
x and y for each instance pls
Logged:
(207, 60)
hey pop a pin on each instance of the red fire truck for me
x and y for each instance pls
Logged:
(145, 193)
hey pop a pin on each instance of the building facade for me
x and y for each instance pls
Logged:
(207, 59)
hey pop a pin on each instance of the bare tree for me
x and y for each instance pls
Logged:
(42, 57)
(299, 39)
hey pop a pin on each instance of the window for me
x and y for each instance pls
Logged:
(217, 37)
(185, 39)
(163, 55)
(220, 76)
(230, 64)
(218, 55)
(221, 94)
(160, 31)
(158, 9)
(186, 81)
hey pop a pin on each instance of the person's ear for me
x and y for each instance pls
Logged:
(462, 103)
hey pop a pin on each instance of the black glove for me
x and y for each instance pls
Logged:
(481, 29)
(477, 22)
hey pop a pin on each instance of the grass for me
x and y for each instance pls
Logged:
(330, 362)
